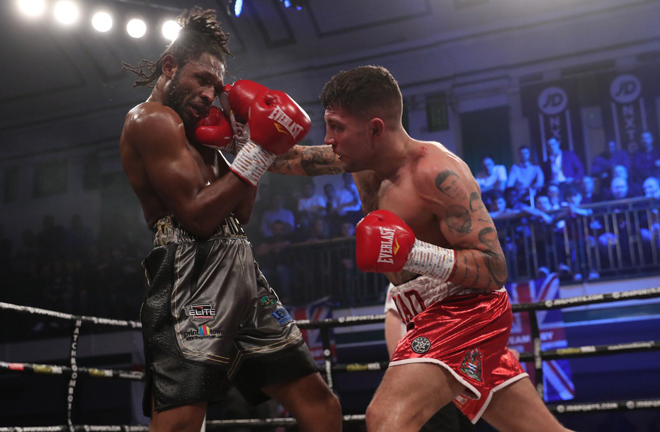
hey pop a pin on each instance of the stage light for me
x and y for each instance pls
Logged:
(238, 7)
(298, 4)
(136, 28)
(32, 8)
(102, 21)
(66, 12)
(171, 30)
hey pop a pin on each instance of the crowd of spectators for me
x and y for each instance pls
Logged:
(69, 270)
(557, 190)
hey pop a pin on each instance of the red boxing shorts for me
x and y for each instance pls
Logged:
(467, 335)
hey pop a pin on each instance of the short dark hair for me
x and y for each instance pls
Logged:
(522, 147)
(200, 33)
(363, 90)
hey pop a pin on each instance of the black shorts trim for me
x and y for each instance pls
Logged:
(266, 370)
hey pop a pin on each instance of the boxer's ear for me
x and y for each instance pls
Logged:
(169, 66)
(376, 127)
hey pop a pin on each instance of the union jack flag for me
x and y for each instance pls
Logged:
(557, 379)
(316, 311)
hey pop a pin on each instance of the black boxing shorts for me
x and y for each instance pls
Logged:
(210, 318)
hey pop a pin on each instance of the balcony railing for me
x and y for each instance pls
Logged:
(617, 239)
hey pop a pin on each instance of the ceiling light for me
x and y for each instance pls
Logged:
(102, 21)
(66, 12)
(171, 30)
(32, 8)
(136, 28)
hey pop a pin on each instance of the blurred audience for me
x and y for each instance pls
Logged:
(562, 166)
(491, 176)
(525, 174)
(646, 162)
(277, 212)
(603, 164)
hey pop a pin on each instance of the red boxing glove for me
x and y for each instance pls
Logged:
(214, 130)
(277, 122)
(241, 96)
(383, 242)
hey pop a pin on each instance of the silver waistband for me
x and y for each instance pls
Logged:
(169, 231)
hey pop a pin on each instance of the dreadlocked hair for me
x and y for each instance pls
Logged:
(200, 33)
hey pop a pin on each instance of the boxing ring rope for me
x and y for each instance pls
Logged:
(537, 356)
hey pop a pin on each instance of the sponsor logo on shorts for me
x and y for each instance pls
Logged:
(471, 364)
(203, 332)
(267, 301)
(282, 316)
(420, 345)
(461, 400)
(202, 311)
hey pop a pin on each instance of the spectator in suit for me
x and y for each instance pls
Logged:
(646, 162)
(603, 164)
(562, 166)
(525, 174)
(491, 177)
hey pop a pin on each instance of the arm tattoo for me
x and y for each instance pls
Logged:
(458, 220)
(477, 206)
(282, 163)
(368, 195)
(494, 260)
(496, 265)
(450, 184)
(476, 266)
(465, 262)
(319, 161)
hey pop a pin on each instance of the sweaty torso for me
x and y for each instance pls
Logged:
(133, 155)
(401, 196)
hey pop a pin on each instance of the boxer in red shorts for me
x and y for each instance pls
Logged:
(428, 230)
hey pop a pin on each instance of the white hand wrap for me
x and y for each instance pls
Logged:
(431, 260)
(251, 162)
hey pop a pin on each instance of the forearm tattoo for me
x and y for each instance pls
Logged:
(319, 161)
(282, 163)
(493, 255)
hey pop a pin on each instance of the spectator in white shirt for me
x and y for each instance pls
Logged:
(310, 206)
(525, 174)
(491, 176)
(349, 199)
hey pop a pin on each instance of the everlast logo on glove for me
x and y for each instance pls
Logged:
(285, 121)
(387, 253)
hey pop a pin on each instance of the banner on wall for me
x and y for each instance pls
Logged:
(629, 114)
(557, 379)
(553, 112)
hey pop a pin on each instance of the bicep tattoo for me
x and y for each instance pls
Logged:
(458, 220)
(477, 206)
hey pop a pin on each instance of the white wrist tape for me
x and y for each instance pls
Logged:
(431, 260)
(251, 162)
